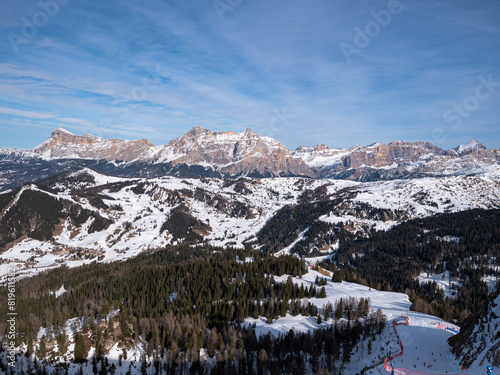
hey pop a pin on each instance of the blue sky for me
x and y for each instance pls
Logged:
(303, 72)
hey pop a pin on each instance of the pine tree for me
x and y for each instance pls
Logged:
(339, 312)
(95, 370)
(322, 293)
(80, 350)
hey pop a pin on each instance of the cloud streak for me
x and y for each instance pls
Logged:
(94, 68)
(28, 114)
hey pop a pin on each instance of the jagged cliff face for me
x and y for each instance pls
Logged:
(229, 152)
(247, 153)
(395, 153)
(396, 160)
(233, 153)
(64, 145)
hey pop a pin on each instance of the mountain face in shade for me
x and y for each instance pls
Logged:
(479, 341)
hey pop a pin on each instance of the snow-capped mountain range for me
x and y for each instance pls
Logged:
(232, 153)
(246, 153)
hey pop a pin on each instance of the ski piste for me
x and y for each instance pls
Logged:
(391, 363)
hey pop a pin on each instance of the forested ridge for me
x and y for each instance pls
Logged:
(464, 244)
(302, 218)
(176, 301)
(37, 215)
(179, 302)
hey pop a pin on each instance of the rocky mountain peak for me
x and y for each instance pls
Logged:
(321, 147)
(61, 130)
(233, 153)
(247, 153)
(469, 147)
(197, 130)
(226, 151)
(64, 145)
(61, 136)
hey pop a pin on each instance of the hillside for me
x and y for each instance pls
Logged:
(478, 345)
(93, 216)
(220, 311)
(217, 253)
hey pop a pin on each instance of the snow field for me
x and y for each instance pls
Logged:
(147, 212)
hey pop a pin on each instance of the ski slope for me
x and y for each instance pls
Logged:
(426, 350)
(392, 304)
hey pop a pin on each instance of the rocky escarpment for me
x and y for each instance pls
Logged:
(233, 153)
(201, 152)
(63, 145)
(229, 152)
(395, 153)
(397, 160)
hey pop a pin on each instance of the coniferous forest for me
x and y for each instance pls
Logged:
(179, 303)
(465, 246)
(184, 304)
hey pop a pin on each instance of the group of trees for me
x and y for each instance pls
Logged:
(465, 244)
(177, 301)
(238, 350)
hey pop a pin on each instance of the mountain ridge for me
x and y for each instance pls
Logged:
(246, 153)
(135, 210)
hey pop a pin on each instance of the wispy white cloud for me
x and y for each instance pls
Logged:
(28, 114)
(96, 64)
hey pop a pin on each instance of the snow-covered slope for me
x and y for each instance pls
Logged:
(424, 340)
(226, 212)
(470, 146)
(322, 156)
